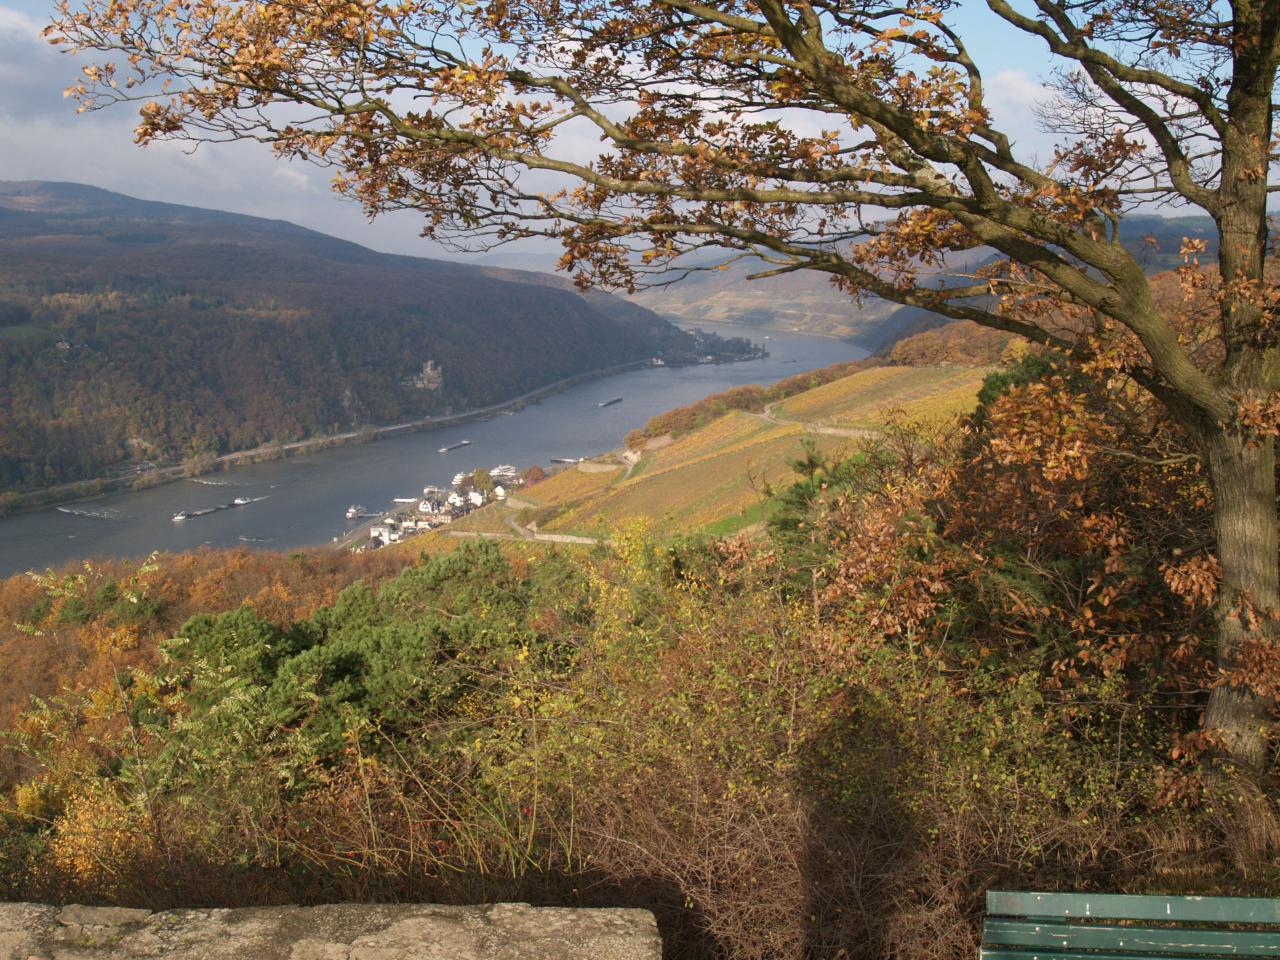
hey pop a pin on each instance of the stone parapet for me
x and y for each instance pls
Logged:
(507, 931)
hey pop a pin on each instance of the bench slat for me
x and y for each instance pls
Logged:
(1119, 906)
(1008, 953)
(1146, 940)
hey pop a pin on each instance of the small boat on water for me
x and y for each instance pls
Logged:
(192, 514)
(355, 511)
(566, 459)
(454, 446)
(95, 514)
(609, 403)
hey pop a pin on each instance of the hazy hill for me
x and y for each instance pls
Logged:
(139, 330)
(807, 301)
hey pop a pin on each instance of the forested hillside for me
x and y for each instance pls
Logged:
(133, 331)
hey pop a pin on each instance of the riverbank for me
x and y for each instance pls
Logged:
(84, 490)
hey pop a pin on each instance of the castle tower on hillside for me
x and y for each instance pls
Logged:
(431, 377)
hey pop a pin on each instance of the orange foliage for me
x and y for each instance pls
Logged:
(1055, 530)
(964, 343)
(64, 652)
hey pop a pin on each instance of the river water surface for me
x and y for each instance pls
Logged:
(302, 502)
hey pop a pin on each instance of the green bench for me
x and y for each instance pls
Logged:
(1092, 926)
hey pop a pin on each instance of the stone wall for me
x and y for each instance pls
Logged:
(508, 931)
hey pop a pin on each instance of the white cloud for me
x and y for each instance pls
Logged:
(1015, 89)
(15, 21)
(291, 178)
(1012, 96)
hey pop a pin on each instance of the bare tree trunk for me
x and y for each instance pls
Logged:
(1244, 485)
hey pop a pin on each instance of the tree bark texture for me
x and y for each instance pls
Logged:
(1244, 484)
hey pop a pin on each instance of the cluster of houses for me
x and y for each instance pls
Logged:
(439, 506)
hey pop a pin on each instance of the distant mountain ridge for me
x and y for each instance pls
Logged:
(134, 330)
(807, 301)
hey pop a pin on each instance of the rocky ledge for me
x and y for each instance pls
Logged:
(507, 931)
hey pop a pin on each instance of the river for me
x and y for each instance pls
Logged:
(302, 501)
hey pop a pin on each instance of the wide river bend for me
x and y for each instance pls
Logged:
(302, 501)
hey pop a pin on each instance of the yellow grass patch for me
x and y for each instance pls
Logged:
(565, 486)
(488, 519)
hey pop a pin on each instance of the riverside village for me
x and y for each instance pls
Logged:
(437, 506)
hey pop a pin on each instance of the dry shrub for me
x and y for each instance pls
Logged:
(395, 827)
(739, 859)
(96, 834)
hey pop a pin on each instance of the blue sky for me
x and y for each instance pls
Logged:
(42, 137)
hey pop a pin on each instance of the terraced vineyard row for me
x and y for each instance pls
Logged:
(713, 477)
(867, 398)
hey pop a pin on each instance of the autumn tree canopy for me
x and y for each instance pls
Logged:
(852, 138)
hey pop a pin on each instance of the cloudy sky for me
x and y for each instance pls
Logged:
(43, 138)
